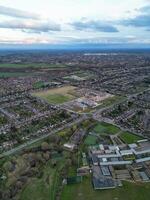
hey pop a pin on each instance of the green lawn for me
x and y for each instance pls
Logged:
(57, 95)
(129, 138)
(90, 140)
(103, 127)
(38, 85)
(57, 98)
(85, 191)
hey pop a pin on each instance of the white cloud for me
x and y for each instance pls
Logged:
(30, 25)
(18, 17)
(12, 12)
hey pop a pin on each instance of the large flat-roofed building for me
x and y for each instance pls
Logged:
(113, 155)
(111, 164)
(101, 182)
(105, 171)
(119, 162)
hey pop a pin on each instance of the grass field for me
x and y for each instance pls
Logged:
(57, 95)
(31, 65)
(111, 100)
(129, 138)
(43, 188)
(39, 188)
(13, 74)
(79, 75)
(90, 140)
(84, 190)
(106, 128)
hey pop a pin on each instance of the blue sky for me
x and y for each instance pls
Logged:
(53, 22)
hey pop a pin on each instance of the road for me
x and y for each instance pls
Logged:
(23, 146)
(96, 115)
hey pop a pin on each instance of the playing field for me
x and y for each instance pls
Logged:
(84, 190)
(57, 95)
(129, 138)
(105, 128)
(90, 140)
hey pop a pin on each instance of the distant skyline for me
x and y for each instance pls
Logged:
(49, 23)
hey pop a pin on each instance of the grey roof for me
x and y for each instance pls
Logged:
(144, 176)
(103, 183)
(105, 170)
(116, 163)
(94, 158)
(142, 159)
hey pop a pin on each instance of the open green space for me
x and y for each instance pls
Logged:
(111, 100)
(45, 187)
(80, 75)
(40, 188)
(13, 74)
(129, 138)
(57, 98)
(105, 128)
(90, 140)
(57, 95)
(38, 85)
(30, 65)
(84, 190)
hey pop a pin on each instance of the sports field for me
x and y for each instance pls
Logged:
(129, 138)
(90, 140)
(57, 95)
(105, 128)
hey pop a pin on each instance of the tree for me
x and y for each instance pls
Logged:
(7, 166)
(46, 156)
(44, 146)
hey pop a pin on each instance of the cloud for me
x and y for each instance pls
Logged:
(26, 21)
(145, 9)
(104, 40)
(94, 26)
(12, 12)
(31, 26)
(138, 21)
(74, 41)
(27, 40)
(141, 20)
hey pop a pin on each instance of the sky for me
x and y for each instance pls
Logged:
(59, 22)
